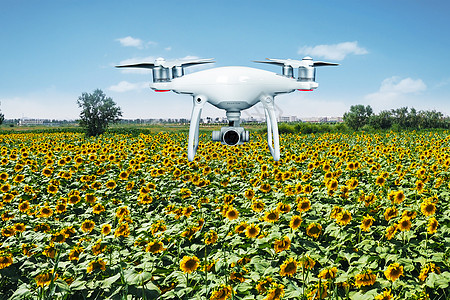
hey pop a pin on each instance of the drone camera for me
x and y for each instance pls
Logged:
(231, 135)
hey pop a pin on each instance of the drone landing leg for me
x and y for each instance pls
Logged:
(272, 127)
(199, 102)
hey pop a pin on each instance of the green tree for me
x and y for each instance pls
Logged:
(358, 116)
(381, 121)
(98, 111)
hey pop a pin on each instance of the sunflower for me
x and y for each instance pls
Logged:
(111, 184)
(122, 230)
(308, 189)
(223, 293)
(155, 247)
(390, 213)
(258, 206)
(428, 268)
(332, 184)
(98, 248)
(74, 199)
(380, 181)
(314, 230)
(187, 211)
(303, 204)
(265, 187)
(328, 273)
(390, 231)
(365, 279)
(367, 222)
(8, 231)
(69, 231)
(237, 277)
(87, 226)
(264, 284)
(4, 176)
(106, 229)
(211, 237)
(5, 188)
(8, 197)
(232, 214)
(427, 208)
(295, 222)
(432, 225)
(96, 264)
(393, 271)
(420, 185)
(276, 292)
(252, 231)
(45, 279)
(189, 264)
(409, 214)
(90, 198)
(27, 249)
(58, 237)
(20, 227)
(45, 212)
(282, 244)
(307, 262)
(271, 216)
(98, 209)
(122, 212)
(123, 175)
(283, 208)
(241, 227)
(335, 212)
(50, 250)
(344, 218)
(249, 194)
(404, 224)
(289, 267)
(399, 196)
(6, 259)
(385, 295)
(74, 254)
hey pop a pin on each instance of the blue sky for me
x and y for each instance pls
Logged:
(391, 53)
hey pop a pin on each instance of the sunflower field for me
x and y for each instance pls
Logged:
(340, 216)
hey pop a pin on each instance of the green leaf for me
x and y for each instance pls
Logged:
(21, 293)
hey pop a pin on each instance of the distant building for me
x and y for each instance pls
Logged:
(30, 122)
(287, 119)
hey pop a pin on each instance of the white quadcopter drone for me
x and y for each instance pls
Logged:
(233, 89)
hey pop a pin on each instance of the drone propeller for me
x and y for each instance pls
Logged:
(161, 67)
(161, 62)
(305, 62)
(305, 67)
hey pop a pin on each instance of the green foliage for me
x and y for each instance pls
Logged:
(358, 116)
(98, 111)
(395, 119)
(2, 118)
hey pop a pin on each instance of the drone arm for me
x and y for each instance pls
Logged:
(199, 102)
(272, 127)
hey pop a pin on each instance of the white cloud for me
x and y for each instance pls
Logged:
(125, 86)
(131, 42)
(334, 52)
(168, 48)
(394, 89)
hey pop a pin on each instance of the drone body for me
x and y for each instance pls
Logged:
(233, 89)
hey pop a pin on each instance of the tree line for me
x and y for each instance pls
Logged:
(362, 117)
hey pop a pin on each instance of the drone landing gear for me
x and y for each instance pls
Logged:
(272, 127)
(199, 102)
